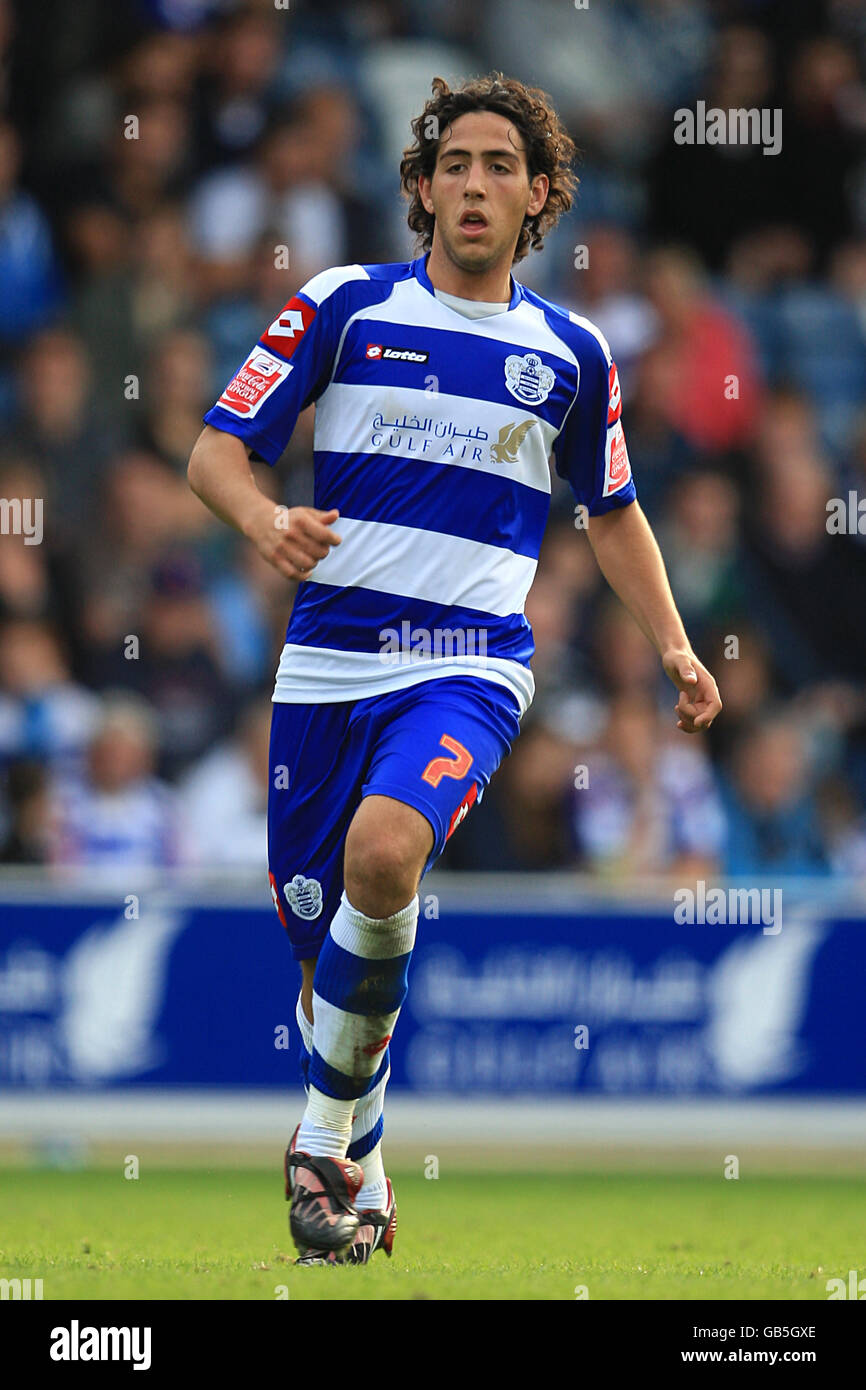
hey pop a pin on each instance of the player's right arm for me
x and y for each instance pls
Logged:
(255, 415)
(292, 539)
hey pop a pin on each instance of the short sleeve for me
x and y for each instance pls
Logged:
(590, 450)
(287, 370)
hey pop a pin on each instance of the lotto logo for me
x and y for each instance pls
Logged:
(463, 810)
(382, 352)
(277, 904)
(289, 327)
(257, 379)
(614, 409)
(617, 467)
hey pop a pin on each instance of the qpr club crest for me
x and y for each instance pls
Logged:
(528, 379)
(304, 896)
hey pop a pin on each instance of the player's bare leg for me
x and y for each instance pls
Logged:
(387, 846)
(308, 970)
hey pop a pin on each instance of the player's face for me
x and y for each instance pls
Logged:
(480, 191)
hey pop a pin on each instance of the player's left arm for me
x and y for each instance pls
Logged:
(590, 452)
(630, 560)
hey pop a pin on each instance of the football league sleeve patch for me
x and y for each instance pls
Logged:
(591, 451)
(617, 468)
(253, 382)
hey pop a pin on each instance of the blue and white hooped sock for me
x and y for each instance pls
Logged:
(358, 989)
(306, 1031)
(368, 1123)
(366, 1144)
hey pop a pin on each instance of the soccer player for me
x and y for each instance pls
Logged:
(442, 387)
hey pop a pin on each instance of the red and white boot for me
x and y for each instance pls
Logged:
(322, 1192)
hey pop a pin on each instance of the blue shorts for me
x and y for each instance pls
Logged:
(434, 746)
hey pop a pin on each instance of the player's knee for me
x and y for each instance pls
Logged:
(381, 873)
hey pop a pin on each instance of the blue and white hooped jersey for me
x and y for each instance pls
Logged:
(433, 437)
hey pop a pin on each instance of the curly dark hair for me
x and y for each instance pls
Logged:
(549, 149)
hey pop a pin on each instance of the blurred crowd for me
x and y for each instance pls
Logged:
(171, 171)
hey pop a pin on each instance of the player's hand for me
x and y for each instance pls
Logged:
(699, 701)
(294, 539)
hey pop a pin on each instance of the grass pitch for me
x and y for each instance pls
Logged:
(222, 1233)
